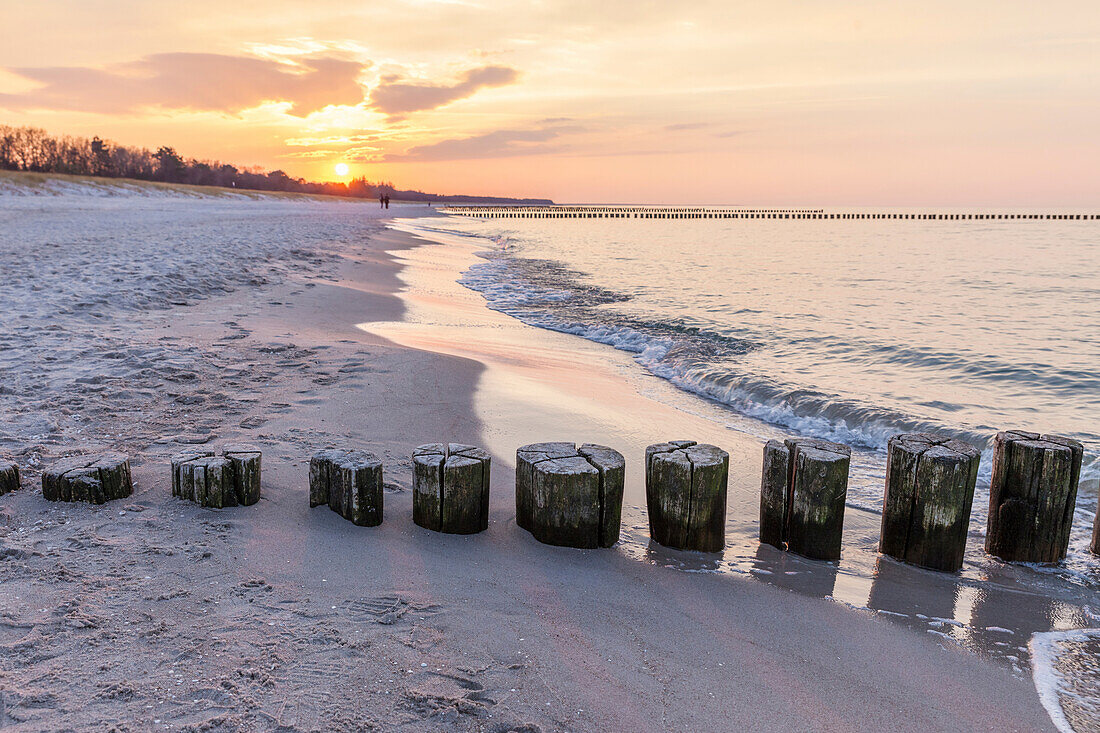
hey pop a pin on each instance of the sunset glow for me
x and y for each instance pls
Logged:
(707, 102)
(542, 365)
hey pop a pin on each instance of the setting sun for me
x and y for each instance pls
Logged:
(341, 169)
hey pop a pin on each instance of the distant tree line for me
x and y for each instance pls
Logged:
(33, 149)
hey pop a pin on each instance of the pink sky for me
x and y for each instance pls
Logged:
(793, 103)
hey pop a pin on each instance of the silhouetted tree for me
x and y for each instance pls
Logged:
(33, 149)
(101, 158)
(170, 166)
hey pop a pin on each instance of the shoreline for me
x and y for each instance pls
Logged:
(921, 599)
(990, 608)
(556, 583)
(551, 278)
(158, 612)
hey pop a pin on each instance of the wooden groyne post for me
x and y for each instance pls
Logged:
(685, 486)
(96, 479)
(1095, 546)
(231, 478)
(570, 496)
(1032, 495)
(802, 493)
(451, 488)
(929, 493)
(9, 477)
(725, 212)
(350, 482)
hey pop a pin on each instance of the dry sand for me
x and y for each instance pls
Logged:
(152, 613)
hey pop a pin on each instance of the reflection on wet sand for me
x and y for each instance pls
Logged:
(790, 571)
(538, 384)
(906, 592)
(995, 618)
(684, 560)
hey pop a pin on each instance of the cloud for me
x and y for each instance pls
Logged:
(306, 142)
(395, 97)
(203, 82)
(355, 154)
(496, 144)
(686, 126)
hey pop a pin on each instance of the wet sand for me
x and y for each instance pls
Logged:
(152, 613)
(577, 386)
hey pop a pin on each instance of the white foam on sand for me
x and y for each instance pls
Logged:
(1066, 670)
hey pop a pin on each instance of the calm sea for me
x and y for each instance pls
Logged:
(847, 330)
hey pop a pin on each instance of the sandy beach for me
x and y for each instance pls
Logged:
(294, 329)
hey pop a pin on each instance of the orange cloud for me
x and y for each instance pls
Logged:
(496, 144)
(395, 97)
(192, 81)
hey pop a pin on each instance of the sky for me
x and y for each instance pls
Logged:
(814, 102)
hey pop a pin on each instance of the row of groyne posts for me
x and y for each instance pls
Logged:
(572, 496)
(710, 212)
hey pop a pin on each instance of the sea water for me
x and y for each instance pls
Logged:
(850, 330)
(856, 330)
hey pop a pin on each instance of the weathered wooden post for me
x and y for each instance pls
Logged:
(217, 481)
(246, 472)
(685, 486)
(929, 492)
(570, 496)
(1095, 546)
(526, 458)
(96, 479)
(802, 493)
(9, 477)
(350, 482)
(186, 490)
(210, 480)
(320, 465)
(1032, 495)
(451, 488)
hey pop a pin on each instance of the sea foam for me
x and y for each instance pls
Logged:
(1066, 668)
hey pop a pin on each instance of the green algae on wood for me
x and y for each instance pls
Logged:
(570, 496)
(350, 482)
(246, 472)
(218, 480)
(211, 479)
(96, 479)
(1095, 546)
(803, 488)
(612, 467)
(526, 458)
(929, 493)
(686, 495)
(451, 488)
(1032, 496)
(9, 477)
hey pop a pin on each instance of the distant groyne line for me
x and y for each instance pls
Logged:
(708, 212)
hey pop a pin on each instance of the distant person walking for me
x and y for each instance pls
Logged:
(381, 200)
(387, 201)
